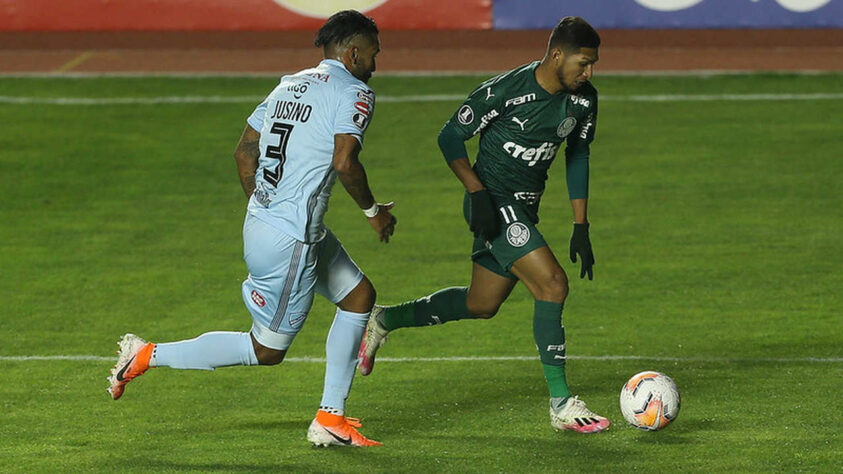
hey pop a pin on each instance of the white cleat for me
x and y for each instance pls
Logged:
(573, 415)
(373, 339)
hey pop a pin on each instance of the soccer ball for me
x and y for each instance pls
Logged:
(650, 401)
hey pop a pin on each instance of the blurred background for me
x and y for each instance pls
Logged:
(270, 36)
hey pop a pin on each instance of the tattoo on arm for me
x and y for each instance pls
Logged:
(247, 155)
(350, 171)
(249, 185)
(356, 184)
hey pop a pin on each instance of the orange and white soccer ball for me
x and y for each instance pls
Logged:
(650, 400)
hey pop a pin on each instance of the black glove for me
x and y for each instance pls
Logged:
(483, 218)
(581, 244)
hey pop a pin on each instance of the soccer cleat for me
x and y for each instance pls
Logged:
(573, 415)
(132, 361)
(373, 339)
(336, 430)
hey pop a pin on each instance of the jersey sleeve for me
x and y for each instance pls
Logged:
(356, 108)
(481, 108)
(256, 119)
(579, 142)
(578, 150)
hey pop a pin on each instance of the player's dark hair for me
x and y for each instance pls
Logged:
(342, 26)
(573, 33)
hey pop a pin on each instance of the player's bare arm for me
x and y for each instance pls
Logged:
(353, 177)
(462, 168)
(580, 207)
(247, 154)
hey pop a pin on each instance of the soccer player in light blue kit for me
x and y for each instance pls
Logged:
(307, 132)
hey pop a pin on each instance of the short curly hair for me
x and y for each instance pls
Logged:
(342, 26)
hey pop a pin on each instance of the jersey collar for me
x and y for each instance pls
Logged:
(334, 63)
(535, 83)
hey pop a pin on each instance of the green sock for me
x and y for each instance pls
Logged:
(550, 340)
(438, 308)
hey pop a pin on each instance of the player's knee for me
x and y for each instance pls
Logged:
(368, 293)
(266, 355)
(361, 299)
(554, 288)
(482, 309)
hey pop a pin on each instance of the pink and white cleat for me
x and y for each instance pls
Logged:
(574, 416)
(373, 339)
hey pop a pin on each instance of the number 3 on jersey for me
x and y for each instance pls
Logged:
(278, 152)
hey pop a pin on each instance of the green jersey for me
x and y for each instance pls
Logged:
(521, 128)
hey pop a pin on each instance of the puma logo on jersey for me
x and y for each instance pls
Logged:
(545, 152)
(520, 123)
(489, 94)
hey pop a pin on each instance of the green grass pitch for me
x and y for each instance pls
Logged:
(716, 227)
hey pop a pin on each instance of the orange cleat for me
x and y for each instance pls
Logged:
(132, 361)
(336, 430)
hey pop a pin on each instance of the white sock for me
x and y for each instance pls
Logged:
(206, 352)
(341, 351)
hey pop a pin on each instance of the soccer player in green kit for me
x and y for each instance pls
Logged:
(522, 116)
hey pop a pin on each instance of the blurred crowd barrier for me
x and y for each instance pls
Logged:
(274, 15)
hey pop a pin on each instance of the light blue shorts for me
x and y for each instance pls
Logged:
(284, 273)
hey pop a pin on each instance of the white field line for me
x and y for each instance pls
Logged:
(321, 360)
(28, 100)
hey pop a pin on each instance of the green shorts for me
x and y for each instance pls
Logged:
(518, 236)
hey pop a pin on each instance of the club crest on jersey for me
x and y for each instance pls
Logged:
(258, 299)
(566, 127)
(517, 234)
(465, 115)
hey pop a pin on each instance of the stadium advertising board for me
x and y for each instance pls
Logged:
(541, 14)
(277, 15)
(235, 15)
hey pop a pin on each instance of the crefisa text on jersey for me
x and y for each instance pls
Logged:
(289, 110)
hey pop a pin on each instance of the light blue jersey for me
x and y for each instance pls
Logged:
(297, 123)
